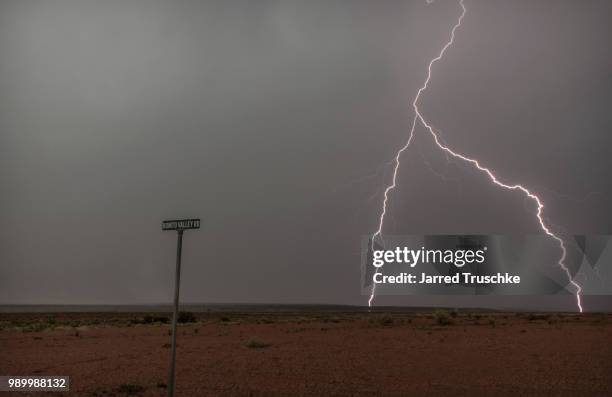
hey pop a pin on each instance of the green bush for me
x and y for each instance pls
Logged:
(186, 317)
(442, 317)
(384, 320)
(130, 390)
(533, 317)
(152, 319)
(255, 343)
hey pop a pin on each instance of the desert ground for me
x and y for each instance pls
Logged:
(442, 353)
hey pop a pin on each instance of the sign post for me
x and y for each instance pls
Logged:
(180, 226)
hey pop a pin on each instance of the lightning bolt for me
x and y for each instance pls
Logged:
(418, 117)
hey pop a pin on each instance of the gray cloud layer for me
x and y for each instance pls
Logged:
(264, 118)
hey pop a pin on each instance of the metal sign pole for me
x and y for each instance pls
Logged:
(177, 283)
(180, 225)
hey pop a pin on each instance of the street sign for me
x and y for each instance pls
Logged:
(181, 224)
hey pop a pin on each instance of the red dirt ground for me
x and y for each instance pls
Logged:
(500, 355)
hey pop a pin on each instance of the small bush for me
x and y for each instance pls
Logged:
(186, 317)
(151, 319)
(161, 319)
(35, 327)
(533, 317)
(130, 390)
(442, 317)
(255, 343)
(383, 320)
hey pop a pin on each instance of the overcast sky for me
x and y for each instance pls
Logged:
(272, 122)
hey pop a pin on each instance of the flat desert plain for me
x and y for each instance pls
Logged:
(315, 354)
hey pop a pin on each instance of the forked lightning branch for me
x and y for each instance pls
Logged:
(418, 118)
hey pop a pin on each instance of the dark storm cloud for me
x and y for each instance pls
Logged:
(258, 116)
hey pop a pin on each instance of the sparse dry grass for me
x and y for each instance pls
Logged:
(255, 343)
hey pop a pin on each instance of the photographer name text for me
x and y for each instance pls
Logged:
(457, 278)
